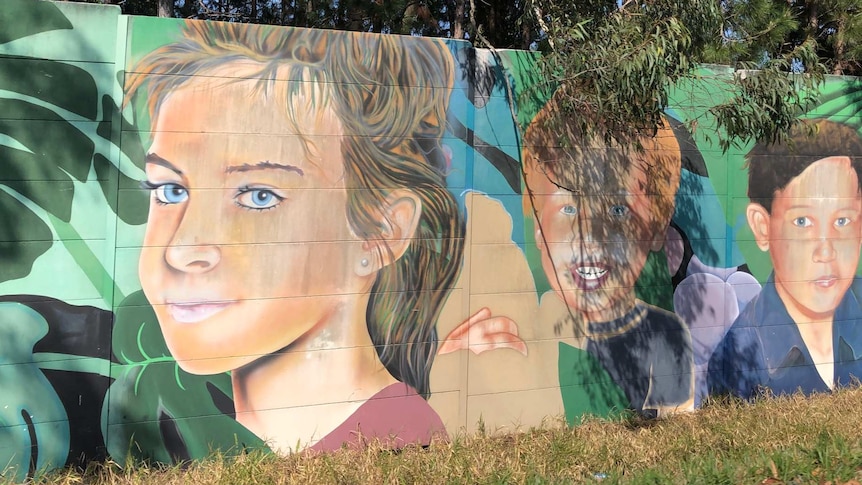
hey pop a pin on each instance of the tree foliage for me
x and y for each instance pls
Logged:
(758, 29)
(616, 63)
(616, 60)
(436, 18)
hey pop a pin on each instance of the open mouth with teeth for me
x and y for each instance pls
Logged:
(591, 272)
(589, 277)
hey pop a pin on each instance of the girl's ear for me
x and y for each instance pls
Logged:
(758, 221)
(400, 216)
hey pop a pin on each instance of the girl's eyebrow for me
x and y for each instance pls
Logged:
(264, 165)
(157, 160)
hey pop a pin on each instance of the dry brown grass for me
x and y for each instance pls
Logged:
(786, 440)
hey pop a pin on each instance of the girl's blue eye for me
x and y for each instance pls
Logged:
(569, 210)
(258, 199)
(842, 221)
(171, 193)
(618, 210)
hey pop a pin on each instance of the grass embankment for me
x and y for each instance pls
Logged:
(788, 440)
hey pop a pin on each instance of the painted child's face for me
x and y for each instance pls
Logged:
(813, 235)
(247, 245)
(597, 228)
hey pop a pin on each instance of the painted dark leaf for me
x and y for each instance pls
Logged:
(24, 238)
(137, 336)
(22, 18)
(56, 147)
(34, 429)
(63, 85)
(131, 147)
(38, 163)
(692, 159)
(164, 413)
(43, 153)
(135, 203)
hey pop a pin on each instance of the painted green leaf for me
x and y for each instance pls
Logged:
(54, 148)
(63, 85)
(34, 429)
(24, 238)
(157, 411)
(40, 155)
(21, 18)
(135, 203)
(132, 147)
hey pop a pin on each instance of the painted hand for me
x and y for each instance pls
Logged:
(482, 332)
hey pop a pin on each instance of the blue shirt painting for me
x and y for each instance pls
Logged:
(764, 349)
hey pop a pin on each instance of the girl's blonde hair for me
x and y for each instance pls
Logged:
(391, 94)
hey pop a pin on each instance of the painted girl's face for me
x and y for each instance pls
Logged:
(247, 245)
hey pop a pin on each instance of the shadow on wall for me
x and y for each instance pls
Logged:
(704, 296)
(56, 355)
(601, 212)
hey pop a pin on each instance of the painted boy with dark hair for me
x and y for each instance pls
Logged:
(599, 210)
(802, 331)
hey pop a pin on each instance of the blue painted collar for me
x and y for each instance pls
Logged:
(770, 315)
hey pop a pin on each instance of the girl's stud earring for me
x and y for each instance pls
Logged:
(364, 262)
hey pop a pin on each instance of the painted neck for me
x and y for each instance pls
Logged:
(335, 362)
(815, 329)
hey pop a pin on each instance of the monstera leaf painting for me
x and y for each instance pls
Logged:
(18, 22)
(44, 150)
(155, 410)
(59, 144)
(34, 430)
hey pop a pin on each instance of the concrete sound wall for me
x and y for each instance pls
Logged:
(229, 236)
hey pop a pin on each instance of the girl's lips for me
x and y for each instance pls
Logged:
(590, 276)
(193, 312)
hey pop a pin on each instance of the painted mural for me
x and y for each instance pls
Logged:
(804, 210)
(300, 229)
(227, 236)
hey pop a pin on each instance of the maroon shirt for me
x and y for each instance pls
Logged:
(396, 416)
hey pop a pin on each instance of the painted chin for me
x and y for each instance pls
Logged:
(194, 312)
(589, 277)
